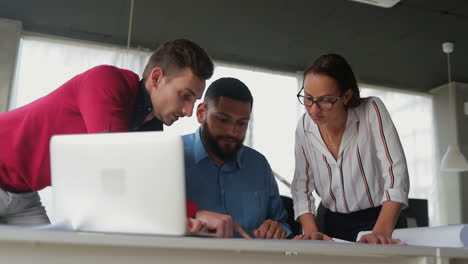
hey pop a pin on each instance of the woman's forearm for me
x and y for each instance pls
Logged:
(308, 223)
(387, 218)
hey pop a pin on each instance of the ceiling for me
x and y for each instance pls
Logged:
(399, 47)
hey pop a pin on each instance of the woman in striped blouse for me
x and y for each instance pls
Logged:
(347, 150)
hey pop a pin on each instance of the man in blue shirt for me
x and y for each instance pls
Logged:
(225, 176)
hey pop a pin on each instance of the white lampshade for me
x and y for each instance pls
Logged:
(454, 160)
(381, 3)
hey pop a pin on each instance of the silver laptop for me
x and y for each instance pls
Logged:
(119, 182)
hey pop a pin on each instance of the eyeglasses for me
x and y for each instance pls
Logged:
(324, 103)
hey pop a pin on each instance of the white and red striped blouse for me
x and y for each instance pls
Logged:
(371, 166)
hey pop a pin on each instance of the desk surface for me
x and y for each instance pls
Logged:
(24, 246)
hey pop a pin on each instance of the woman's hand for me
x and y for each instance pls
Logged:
(378, 238)
(383, 229)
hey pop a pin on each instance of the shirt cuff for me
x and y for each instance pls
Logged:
(287, 228)
(191, 209)
(396, 195)
(303, 209)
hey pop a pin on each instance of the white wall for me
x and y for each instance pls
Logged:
(452, 199)
(10, 32)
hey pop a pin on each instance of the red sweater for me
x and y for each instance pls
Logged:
(100, 99)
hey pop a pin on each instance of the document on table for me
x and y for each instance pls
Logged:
(59, 226)
(440, 236)
(341, 240)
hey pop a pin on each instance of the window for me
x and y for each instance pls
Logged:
(273, 119)
(46, 63)
(417, 138)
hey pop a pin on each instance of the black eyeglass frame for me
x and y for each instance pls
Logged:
(299, 96)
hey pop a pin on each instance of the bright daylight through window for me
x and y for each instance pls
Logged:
(45, 63)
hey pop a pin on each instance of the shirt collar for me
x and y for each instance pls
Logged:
(199, 147)
(201, 153)
(352, 116)
(143, 107)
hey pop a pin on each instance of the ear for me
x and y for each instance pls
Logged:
(347, 96)
(155, 77)
(201, 112)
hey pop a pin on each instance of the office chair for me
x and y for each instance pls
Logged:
(416, 213)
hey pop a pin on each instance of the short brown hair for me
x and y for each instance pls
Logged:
(175, 55)
(337, 68)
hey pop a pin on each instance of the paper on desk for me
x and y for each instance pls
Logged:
(440, 236)
(59, 226)
(337, 240)
(341, 240)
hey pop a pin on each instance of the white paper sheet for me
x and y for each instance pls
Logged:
(59, 226)
(440, 236)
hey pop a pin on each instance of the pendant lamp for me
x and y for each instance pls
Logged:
(453, 160)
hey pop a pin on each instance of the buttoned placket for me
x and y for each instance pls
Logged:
(223, 172)
(336, 174)
(222, 191)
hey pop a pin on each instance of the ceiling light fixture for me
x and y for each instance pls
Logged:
(381, 3)
(453, 160)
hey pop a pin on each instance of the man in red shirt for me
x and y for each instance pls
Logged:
(102, 99)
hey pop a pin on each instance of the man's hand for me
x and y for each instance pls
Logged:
(220, 224)
(378, 238)
(313, 236)
(270, 229)
(195, 225)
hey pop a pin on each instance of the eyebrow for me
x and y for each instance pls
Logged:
(327, 95)
(226, 115)
(192, 92)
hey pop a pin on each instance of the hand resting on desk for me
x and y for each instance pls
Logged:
(220, 224)
(370, 238)
(195, 225)
(378, 238)
(270, 230)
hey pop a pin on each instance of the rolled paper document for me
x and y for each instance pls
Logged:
(440, 236)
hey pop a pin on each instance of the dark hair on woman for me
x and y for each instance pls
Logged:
(228, 87)
(337, 68)
(173, 56)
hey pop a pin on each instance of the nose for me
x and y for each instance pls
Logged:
(314, 109)
(231, 130)
(187, 110)
(234, 130)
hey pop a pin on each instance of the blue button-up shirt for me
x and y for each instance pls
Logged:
(244, 188)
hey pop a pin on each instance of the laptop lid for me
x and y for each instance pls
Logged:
(119, 182)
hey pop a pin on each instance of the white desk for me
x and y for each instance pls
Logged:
(25, 246)
(452, 255)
